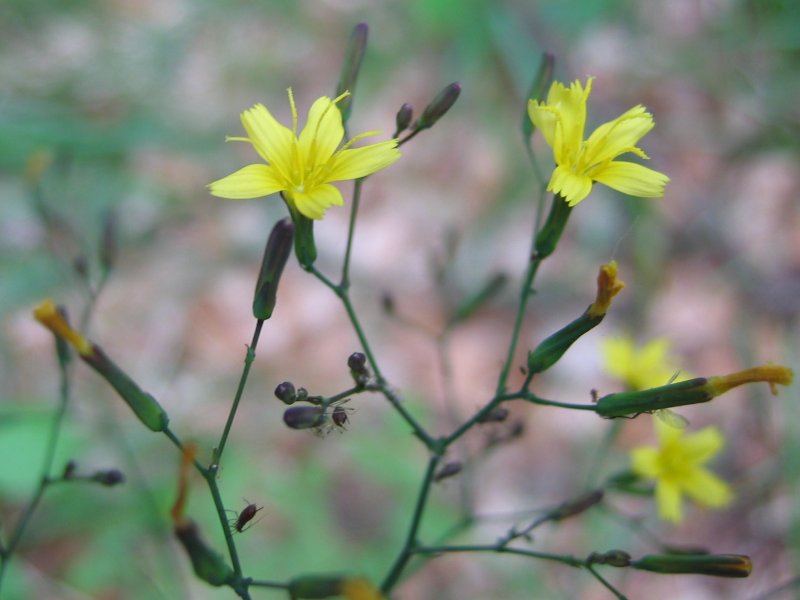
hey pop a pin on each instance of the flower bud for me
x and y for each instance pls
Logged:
(440, 105)
(350, 67)
(577, 506)
(51, 317)
(276, 253)
(449, 470)
(304, 417)
(691, 391)
(108, 242)
(771, 374)
(144, 406)
(285, 392)
(304, 247)
(548, 236)
(208, 565)
(109, 477)
(718, 565)
(357, 362)
(496, 415)
(403, 118)
(614, 558)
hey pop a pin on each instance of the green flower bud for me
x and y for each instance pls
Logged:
(403, 118)
(208, 565)
(624, 404)
(315, 586)
(548, 236)
(304, 247)
(553, 348)
(352, 63)
(440, 105)
(143, 404)
(718, 565)
(276, 253)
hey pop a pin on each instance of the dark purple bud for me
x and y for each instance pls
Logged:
(304, 417)
(440, 105)
(285, 392)
(109, 477)
(450, 469)
(403, 118)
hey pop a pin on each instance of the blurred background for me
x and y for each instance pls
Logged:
(121, 107)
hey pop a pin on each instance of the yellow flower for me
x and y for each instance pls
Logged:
(562, 120)
(640, 368)
(677, 467)
(302, 166)
(358, 588)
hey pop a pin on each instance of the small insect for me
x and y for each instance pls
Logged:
(670, 417)
(245, 517)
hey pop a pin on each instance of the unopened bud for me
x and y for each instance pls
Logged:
(577, 506)
(718, 565)
(449, 470)
(614, 558)
(108, 242)
(285, 392)
(208, 565)
(357, 362)
(304, 417)
(440, 105)
(109, 477)
(403, 118)
(540, 83)
(350, 67)
(496, 415)
(276, 253)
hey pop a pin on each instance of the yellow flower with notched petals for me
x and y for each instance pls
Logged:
(562, 120)
(677, 467)
(303, 166)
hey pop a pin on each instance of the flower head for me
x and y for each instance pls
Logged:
(562, 120)
(640, 368)
(677, 467)
(303, 166)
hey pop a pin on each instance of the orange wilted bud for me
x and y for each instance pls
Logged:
(608, 286)
(771, 374)
(47, 314)
(187, 458)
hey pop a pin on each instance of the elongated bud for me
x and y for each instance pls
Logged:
(576, 506)
(496, 415)
(350, 68)
(449, 470)
(188, 454)
(144, 406)
(553, 348)
(692, 391)
(540, 83)
(490, 289)
(403, 118)
(440, 105)
(49, 315)
(548, 236)
(718, 565)
(276, 253)
(208, 565)
(108, 242)
(304, 417)
(108, 477)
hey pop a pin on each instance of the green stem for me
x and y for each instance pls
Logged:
(566, 559)
(345, 282)
(619, 595)
(342, 292)
(248, 361)
(210, 476)
(411, 544)
(44, 478)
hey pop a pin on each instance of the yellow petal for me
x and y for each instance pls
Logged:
(252, 181)
(572, 187)
(360, 162)
(570, 103)
(701, 446)
(618, 136)
(314, 203)
(544, 119)
(668, 499)
(707, 489)
(645, 462)
(273, 141)
(323, 131)
(632, 179)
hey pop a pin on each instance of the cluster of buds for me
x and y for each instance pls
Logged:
(106, 477)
